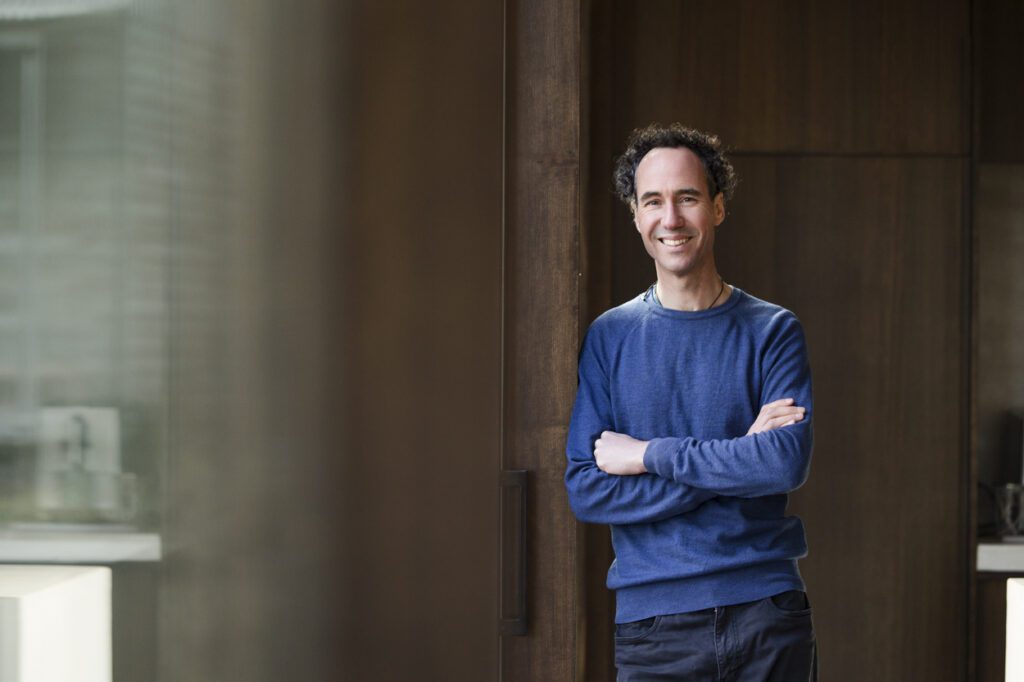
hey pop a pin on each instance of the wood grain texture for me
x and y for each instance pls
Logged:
(541, 316)
(999, 52)
(999, 238)
(813, 77)
(596, 603)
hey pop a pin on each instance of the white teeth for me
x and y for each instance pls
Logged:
(675, 242)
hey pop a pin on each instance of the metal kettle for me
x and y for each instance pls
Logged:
(1010, 504)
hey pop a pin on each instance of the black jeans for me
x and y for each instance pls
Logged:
(769, 640)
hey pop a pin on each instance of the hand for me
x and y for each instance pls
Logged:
(777, 414)
(619, 454)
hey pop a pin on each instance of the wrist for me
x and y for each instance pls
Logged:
(642, 462)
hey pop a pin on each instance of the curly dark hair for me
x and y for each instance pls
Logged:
(719, 172)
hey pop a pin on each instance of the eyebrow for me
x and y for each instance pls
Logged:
(686, 191)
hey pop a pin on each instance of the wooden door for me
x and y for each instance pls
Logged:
(463, 293)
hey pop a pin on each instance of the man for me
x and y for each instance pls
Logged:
(691, 426)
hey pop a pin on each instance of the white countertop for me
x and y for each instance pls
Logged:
(1001, 557)
(67, 546)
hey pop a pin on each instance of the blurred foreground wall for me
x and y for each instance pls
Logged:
(330, 499)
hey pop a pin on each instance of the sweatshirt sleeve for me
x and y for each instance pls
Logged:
(598, 497)
(766, 463)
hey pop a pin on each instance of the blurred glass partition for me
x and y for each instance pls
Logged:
(84, 265)
(170, 220)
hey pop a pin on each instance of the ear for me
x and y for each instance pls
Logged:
(719, 208)
(632, 211)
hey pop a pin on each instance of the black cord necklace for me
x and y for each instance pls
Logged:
(720, 290)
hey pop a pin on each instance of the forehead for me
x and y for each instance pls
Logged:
(669, 168)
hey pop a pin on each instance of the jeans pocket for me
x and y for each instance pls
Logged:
(790, 603)
(627, 632)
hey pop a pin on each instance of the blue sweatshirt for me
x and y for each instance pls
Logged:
(707, 525)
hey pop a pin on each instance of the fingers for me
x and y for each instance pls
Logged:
(784, 420)
(775, 415)
(781, 410)
(607, 438)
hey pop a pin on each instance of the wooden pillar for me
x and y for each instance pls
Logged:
(541, 331)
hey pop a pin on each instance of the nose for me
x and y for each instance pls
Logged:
(672, 216)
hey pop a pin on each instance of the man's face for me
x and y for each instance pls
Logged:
(674, 214)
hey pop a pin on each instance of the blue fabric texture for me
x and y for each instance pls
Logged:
(707, 525)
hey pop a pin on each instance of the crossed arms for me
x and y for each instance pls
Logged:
(622, 455)
(614, 478)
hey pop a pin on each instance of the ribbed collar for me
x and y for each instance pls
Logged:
(650, 299)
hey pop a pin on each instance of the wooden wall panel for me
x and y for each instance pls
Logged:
(596, 603)
(870, 77)
(999, 37)
(999, 238)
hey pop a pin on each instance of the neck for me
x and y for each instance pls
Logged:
(692, 293)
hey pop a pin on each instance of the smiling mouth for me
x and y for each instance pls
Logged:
(674, 242)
